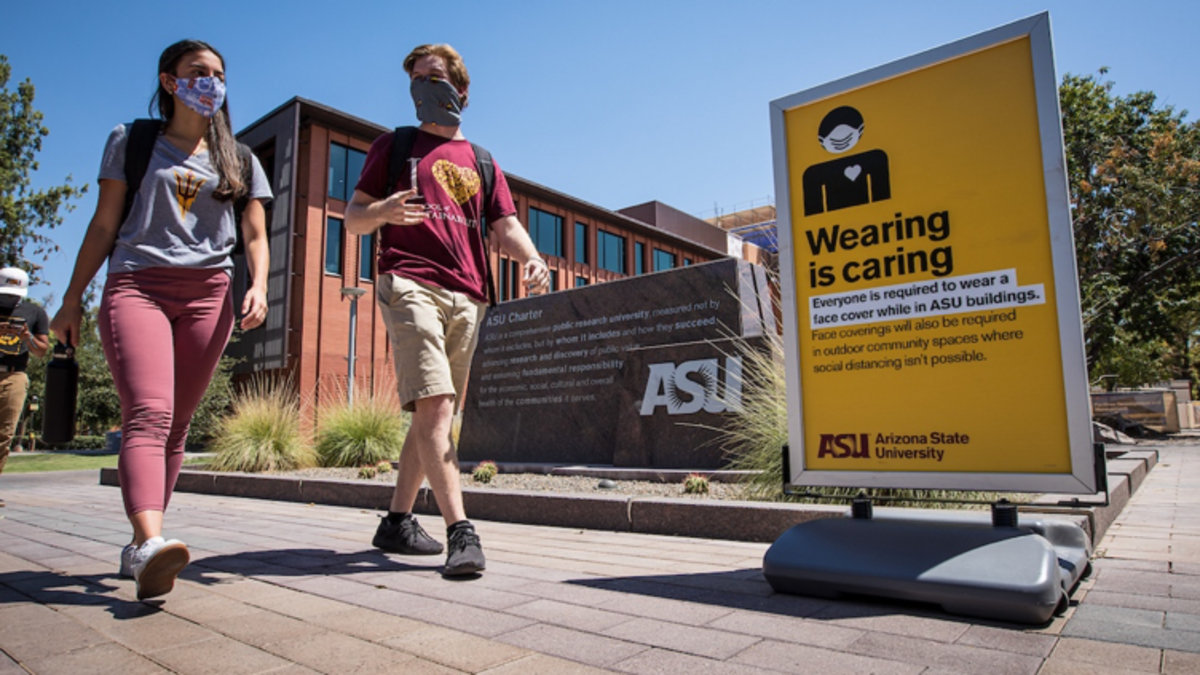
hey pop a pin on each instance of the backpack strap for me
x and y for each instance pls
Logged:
(487, 175)
(246, 160)
(139, 147)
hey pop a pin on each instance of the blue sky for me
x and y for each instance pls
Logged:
(615, 102)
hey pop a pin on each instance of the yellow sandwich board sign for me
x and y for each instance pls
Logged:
(932, 325)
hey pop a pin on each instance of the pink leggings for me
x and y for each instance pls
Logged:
(164, 330)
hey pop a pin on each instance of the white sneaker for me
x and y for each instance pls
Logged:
(156, 563)
(127, 561)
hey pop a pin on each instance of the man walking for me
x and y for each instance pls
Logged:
(432, 287)
(24, 330)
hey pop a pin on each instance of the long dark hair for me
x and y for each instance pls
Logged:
(222, 145)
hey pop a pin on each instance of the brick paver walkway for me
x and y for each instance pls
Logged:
(289, 588)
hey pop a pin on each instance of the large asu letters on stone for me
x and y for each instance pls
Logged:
(617, 373)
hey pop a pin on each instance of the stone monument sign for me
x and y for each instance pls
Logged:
(635, 372)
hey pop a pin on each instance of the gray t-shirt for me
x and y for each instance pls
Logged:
(174, 220)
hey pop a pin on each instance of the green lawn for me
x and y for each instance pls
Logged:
(23, 463)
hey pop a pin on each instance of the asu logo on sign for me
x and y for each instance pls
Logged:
(841, 446)
(693, 386)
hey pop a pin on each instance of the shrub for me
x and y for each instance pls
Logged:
(368, 472)
(384, 467)
(263, 431)
(370, 432)
(485, 472)
(695, 484)
(80, 442)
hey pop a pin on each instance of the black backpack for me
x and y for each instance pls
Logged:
(143, 133)
(402, 146)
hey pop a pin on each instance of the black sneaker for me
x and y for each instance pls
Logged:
(465, 556)
(406, 537)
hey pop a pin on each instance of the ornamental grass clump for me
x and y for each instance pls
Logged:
(368, 433)
(485, 472)
(754, 436)
(263, 431)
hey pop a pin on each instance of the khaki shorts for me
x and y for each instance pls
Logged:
(433, 333)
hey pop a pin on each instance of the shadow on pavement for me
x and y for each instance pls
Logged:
(298, 563)
(748, 590)
(56, 588)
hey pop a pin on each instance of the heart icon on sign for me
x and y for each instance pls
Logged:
(852, 172)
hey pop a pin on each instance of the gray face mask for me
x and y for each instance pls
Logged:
(437, 101)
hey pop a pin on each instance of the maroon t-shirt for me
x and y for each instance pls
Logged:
(446, 250)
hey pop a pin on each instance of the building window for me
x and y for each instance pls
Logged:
(333, 246)
(663, 260)
(610, 252)
(366, 256)
(546, 231)
(510, 279)
(687, 262)
(345, 165)
(266, 157)
(581, 243)
(581, 282)
(639, 258)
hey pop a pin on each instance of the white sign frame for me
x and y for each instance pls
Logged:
(1083, 478)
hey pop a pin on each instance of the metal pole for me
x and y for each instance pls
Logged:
(354, 294)
(353, 332)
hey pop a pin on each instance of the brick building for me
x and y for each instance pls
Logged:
(312, 155)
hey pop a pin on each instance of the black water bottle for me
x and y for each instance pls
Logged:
(62, 392)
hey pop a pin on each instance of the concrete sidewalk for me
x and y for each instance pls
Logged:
(293, 588)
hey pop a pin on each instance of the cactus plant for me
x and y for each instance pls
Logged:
(695, 484)
(485, 472)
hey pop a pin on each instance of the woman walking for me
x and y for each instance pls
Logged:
(167, 311)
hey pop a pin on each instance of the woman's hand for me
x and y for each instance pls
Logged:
(254, 308)
(66, 322)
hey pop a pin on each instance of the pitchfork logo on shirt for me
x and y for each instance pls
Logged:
(186, 189)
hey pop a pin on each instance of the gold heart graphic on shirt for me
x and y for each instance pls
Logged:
(460, 182)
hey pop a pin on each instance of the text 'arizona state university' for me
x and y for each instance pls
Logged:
(889, 446)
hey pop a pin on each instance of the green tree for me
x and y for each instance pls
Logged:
(25, 213)
(1134, 178)
(99, 407)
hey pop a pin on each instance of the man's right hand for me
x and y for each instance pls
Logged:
(396, 210)
(66, 322)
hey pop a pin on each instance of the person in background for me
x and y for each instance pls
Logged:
(431, 290)
(167, 312)
(24, 330)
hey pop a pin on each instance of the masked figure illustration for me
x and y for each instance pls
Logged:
(846, 181)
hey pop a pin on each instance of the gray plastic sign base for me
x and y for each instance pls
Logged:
(961, 562)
